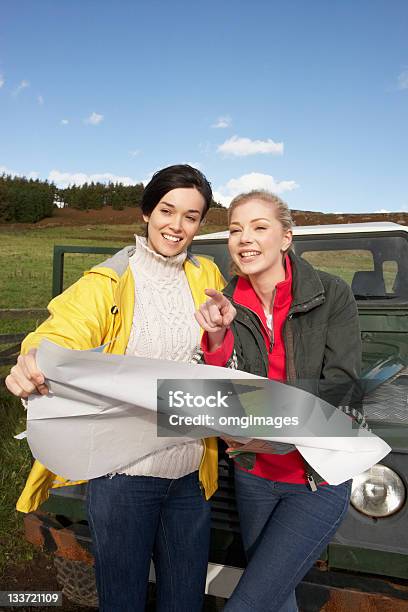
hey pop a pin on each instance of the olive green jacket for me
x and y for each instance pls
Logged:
(321, 336)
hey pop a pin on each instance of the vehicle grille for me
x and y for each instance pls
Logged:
(389, 403)
(224, 513)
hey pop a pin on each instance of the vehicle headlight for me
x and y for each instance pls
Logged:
(378, 492)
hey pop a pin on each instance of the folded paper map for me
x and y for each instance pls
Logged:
(101, 415)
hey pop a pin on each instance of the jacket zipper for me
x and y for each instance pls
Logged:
(311, 481)
(272, 332)
(291, 374)
(290, 360)
(271, 337)
(268, 332)
(261, 344)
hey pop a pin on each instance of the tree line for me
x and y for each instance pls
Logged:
(24, 200)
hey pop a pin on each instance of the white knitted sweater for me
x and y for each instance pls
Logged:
(163, 327)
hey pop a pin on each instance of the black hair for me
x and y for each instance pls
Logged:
(174, 177)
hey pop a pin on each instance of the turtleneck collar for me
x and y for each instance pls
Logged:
(155, 265)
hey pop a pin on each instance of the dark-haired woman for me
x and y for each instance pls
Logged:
(282, 319)
(141, 302)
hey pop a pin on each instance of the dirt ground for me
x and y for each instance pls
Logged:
(69, 216)
(28, 577)
(41, 571)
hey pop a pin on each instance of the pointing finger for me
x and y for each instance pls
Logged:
(217, 296)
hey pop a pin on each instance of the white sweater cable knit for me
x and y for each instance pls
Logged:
(163, 327)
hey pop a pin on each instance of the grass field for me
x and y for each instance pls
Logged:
(15, 460)
(26, 258)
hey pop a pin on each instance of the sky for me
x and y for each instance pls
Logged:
(308, 99)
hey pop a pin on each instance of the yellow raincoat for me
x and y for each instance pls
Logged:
(96, 310)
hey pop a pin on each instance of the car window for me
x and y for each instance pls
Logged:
(343, 263)
(375, 266)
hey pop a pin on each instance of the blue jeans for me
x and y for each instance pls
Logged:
(135, 518)
(284, 529)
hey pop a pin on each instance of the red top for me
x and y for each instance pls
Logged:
(284, 468)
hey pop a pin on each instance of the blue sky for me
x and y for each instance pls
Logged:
(308, 99)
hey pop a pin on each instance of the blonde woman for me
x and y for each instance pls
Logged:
(282, 319)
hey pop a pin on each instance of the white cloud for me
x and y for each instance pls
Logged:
(134, 153)
(241, 147)
(403, 80)
(40, 100)
(402, 209)
(63, 179)
(23, 85)
(248, 182)
(64, 121)
(30, 175)
(5, 170)
(222, 122)
(2, 81)
(94, 119)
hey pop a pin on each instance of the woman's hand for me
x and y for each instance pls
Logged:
(253, 446)
(25, 378)
(232, 444)
(215, 316)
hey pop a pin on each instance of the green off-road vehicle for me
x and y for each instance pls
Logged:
(366, 565)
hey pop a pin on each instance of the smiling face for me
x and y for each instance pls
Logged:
(257, 239)
(175, 220)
